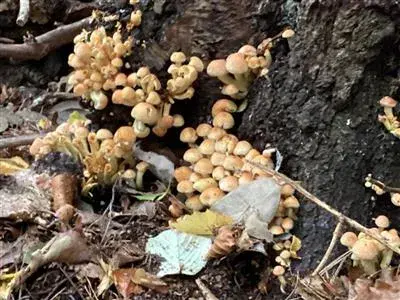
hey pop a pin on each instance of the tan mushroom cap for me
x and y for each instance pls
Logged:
(216, 133)
(245, 177)
(182, 173)
(104, 134)
(223, 105)
(217, 159)
(242, 148)
(395, 198)
(146, 113)
(365, 249)
(203, 129)
(382, 221)
(228, 184)
(287, 190)
(288, 33)
(276, 230)
(178, 57)
(192, 155)
(207, 147)
(142, 166)
(197, 63)
(188, 135)
(233, 163)
(195, 177)
(236, 64)
(218, 173)
(194, 203)
(217, 68)
(230, 90)
(348, 239)
(185, 187)
(224, 120)
(179, 121)
(226, 144)
(204, 183)
(203, 166)
(287, 224)
(278, 271)
(388, 102)
(125, 135)
(291, 202)
(248, 50)
(211, 195)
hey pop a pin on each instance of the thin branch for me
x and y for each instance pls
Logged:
(383, 186)
(208, 295)
(23, 14)
(44, 43)
(335, 236)
(17, 141)
(283, 178)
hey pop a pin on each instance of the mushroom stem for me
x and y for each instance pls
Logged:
(282, 282)
(139, 126)
(141, 169)
(369, 266)
(227, 79)
(387, 256)
(166, 109)
(388, 112)
(241, 82)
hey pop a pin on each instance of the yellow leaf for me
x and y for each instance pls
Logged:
(295, 246)
(201, 223)
(6, 285)
(12, 165)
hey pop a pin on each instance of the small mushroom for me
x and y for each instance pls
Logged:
(204, 183)
(188, 135)
(388, 104)
(141, 169)
(228, 184)
(211, 195)
(203, 130)
(279, 271)
(223, 120)
(192, 155)
(203, 166)
(182, 173)
(223, 105)
(185, 187)
(382, 222)
(194, 203)
(395, 198)
(348, 239)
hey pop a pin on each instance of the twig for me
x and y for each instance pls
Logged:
(44, 43)
(336, 261)
(335, 236)
(71, 282)
(23, 14)
(383, 186)
(283, 178)
(16, 141)
(208, 295)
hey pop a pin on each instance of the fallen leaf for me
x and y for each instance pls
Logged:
(295, 246)
(12, 165)
(201, 223)
(6, 281)
(253, 204)
(182, 253)
(123, 281)
(107, 279)
(147, 209)
(150, 281)
(126, 254)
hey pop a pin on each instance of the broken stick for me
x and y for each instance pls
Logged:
(23, 14)
(341, 217)
(44, 43)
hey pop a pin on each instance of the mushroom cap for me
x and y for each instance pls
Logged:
(365, 249)
(217, 159)
(179, 121)
(142, 72)
(195, 177)
(287, 224)
(287, 190)
(242, 148)
(223, 105)
(348, 239)
(288, 33)
(218, 173)
(291, 202)
(197, 63)
(276, 230)
(120, 79)
(142, 166)
(203, 166)
(248, 50)
(236, 64)
(182, 173)
(388, 102)
(188, 135)
(395, 198)
(224, 120)
(203, 129)
(125, 134)
(226, 144)
(233, 163)
(278, 271)
(129, 174)
(285, 254)
(178, 57)
(230, 90)
(382, 221)
(211, 195)
(185, 187)
(146, 113)
(245, 177)
(207, 147)
(204, 183)
(194, 203)
(103, 134)
(252, 154)
(216, 133)
(228, 184)
(192, 155)
(217, 67)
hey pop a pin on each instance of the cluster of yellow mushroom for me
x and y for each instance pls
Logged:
(105, 156)
(97, 60)
(368, 253)
(389, 120)
(218, 164)
(240, 69)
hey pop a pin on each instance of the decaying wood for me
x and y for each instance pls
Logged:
(17, 141)
(44, 43)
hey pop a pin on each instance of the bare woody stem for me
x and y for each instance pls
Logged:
(44, 43)
(282, 178)
(23, 14)
(383, 186)
(18, 140)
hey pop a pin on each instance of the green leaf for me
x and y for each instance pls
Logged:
(76, 116)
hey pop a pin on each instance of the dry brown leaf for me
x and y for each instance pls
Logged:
(201, 223)
(224, 243)
(150, 281)
(123, 281)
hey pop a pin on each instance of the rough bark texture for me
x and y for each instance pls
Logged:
(320, 109)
